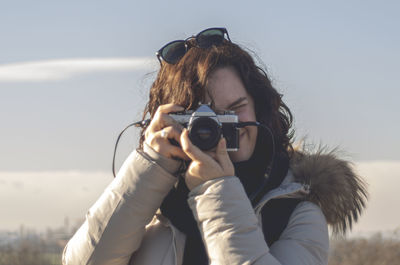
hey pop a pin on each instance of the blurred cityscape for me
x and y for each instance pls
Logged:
(30, 247)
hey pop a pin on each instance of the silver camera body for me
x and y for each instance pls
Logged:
(206, 127)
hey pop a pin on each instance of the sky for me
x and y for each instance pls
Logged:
(73, 74)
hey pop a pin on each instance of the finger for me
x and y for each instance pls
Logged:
(177, 152)
(162, 137)
(167, 149)
(192, 151)
(212, 154)
(172, 132)
(168, 108)
(161, 120)
(164, 111)
(161, 144)
(222, 155)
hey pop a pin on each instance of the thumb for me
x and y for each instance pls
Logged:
(192, 151)
(222, 155)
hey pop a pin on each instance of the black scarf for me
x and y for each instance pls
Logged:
(252, 176)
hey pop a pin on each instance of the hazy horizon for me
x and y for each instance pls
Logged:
(42, 206)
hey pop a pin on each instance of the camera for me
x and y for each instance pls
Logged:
(206, 127)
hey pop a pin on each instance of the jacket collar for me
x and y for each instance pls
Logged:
(329, 182)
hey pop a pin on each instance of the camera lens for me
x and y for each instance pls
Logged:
(204, 132)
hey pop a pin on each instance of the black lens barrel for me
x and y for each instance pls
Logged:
(205, 132)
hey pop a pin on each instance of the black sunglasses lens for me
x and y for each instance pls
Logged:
(210, 37)
(173, 52)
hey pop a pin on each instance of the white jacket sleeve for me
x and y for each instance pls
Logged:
(233, 235)
(115, 224)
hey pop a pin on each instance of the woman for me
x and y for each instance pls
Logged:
(174, 203)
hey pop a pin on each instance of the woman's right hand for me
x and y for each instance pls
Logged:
(161, 129)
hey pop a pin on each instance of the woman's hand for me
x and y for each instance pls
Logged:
(205, 165)
(162, 128)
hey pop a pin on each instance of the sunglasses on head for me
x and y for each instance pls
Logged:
(173, 51)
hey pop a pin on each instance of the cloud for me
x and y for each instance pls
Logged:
(62, 69)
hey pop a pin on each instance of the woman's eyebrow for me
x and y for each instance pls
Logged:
(236, 102)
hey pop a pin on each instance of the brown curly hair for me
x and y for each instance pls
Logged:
(185, 82)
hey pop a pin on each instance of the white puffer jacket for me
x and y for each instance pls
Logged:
(124, 226)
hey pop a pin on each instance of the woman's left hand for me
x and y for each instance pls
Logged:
(205, 165)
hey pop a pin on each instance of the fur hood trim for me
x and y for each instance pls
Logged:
(334, 187)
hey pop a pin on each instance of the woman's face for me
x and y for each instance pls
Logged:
(227, 92)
